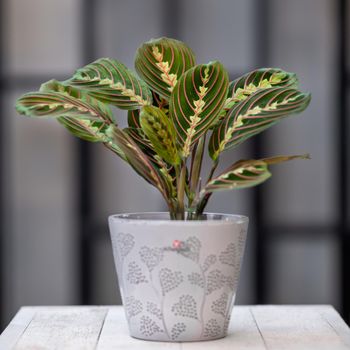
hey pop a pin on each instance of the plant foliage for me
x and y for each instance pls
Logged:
(171, 107)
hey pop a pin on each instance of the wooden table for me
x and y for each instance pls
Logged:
(104, 327)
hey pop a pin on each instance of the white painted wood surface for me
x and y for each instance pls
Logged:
(104, 327)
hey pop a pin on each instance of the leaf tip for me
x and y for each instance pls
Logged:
(19, 107)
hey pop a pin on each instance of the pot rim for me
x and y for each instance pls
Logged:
(162, 218)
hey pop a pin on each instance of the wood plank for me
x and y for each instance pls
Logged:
(10, 336)
(63, 328)
(252, 327)
(336, 322)
(242, 334)
(115, 335)
(296, 328)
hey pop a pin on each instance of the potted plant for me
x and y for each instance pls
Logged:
(177, 271)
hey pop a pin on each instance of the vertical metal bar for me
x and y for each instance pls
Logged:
(84, 163)
(343, 157)
(261, 53)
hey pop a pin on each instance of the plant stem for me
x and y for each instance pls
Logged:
(181, 182)
(172, 210)
(213, 168)
(196, 166)
(200, 206)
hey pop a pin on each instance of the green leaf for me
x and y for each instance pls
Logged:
(93, 131)
(246, 173)
(258, 79)
(141, 163)
(240, 175)
(56, 100)
(81, 114)
(255, 114)
(161, 62)
(160, 101)
(134, 119)
(88, 130)
(138, 136)
(282, 159)
(196, 102)
(160, 130)
(111, 81)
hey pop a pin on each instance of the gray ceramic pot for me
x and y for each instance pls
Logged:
(178, 279)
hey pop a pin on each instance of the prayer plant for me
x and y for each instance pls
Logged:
(172, 106)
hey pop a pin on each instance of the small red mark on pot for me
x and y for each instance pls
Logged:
(177, 244)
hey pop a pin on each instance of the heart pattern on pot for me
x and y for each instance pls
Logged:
(196, 279)
(219, 306)
(153, 309)
(148, 327)
(178, 287)
(135, 275)
(212, 329)
(169, 279)
(132, 306)
(193, 247)
(209, 261)
(151, 257)
(177, 329)
(228, 256)
(125, 242)
(186, 307)
(215, 281)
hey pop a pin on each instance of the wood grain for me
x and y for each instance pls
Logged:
(104, 327)
(296, 327)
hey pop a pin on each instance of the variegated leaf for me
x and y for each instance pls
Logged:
(264, 78)
(239, 176)
(161, 62)
(196, 102)
(141, 140)
(56, 100)
(138, 136)
(282, 159)
(111, 81)
(246, 173)
(81, 114)
(141, 163)
(89, 130)
(255, 114)
(93, 131)
(159, 101)
(161, 132)
(134, 119)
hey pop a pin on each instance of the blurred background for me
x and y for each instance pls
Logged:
(57, 191)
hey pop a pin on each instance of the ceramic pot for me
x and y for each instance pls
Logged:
(178, 279)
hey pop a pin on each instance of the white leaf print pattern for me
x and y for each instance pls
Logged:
(169, 279)
(135, 275)
(229, 255)
(177, 329)
(132, 306)
(186, 307)
(151, 257)
(148, 327)
(125, 242)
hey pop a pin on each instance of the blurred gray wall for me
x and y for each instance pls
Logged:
(43, 40)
